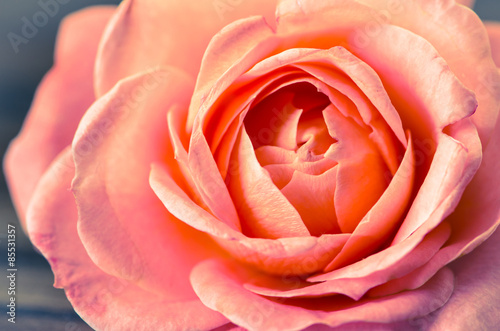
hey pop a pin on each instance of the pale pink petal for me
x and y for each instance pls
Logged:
(357, 92)
(312, 197)
(246, 86)
(294, 256)
(338, 68)
(457, 243)
(477, 293)
(221, 108)
(219, 286)
(463, 237)
(279, 97)
(180, 140)
(181, 30)
(123, 225)
(280, 174)
(493, 29)
(61, 100)
(103, 301)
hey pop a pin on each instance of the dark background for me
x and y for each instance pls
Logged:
(40, 306)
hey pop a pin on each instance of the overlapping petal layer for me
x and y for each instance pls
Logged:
(129, 234)
(317, 156)
(255, 312)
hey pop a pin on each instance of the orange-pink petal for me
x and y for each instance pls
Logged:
(264, 211)
(292, 256)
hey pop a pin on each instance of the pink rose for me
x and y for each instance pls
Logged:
(190, 166)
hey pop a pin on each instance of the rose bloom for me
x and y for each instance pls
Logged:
(197, 165)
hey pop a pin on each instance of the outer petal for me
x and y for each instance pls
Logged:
(455, 32)
(356, 287)
(104, 301)
(459, 36)
(61, 100)
(219, 286)
(478, 291)
(124, 227)
(494, 34)
(468, 3)
(185, 28)
(476, 295)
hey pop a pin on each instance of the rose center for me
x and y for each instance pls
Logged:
(317, 157)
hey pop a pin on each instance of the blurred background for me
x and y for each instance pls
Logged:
(39, 306)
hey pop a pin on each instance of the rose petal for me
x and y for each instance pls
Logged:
(361, 177)
(458, 35)
(477, 273)
(457, 243)
(413, 76)
(391, 255)
(224, 51)
(493, 29)
(468, 3)
(477, 291)
(364, 78)
(209, 181)
(357, 287)
(263, 209)
(295, 256)
(481, 203)
(452, 168)
(186, 28)
(361, 97)
(455, 31)
(61, 100)
(382, 219)
(124, 227)
(312, 197)
(219, 286)
(274, 121)
(372, 231)
(103, 301)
